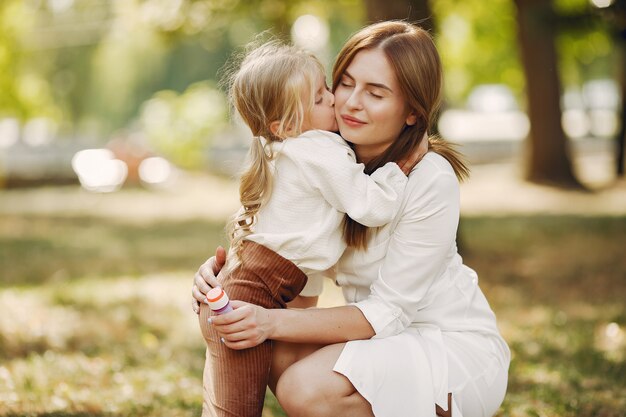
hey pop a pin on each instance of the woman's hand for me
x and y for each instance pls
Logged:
(407, 163)
(205, 278)
(247, 326)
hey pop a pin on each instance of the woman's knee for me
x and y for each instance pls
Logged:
(300, 395)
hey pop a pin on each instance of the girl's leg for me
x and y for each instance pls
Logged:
(310, 387)
(235, 380)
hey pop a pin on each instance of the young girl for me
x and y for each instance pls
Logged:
(300, 182)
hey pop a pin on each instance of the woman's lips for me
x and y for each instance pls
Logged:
(352, 121)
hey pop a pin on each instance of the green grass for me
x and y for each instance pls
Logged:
(95, 317)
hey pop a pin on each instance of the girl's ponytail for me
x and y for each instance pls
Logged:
(272, 90)
(255, 186)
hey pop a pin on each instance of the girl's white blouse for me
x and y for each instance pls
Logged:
(316, 180)
(411, 276)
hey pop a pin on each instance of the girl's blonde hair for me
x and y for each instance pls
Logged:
(273, 85)
(413, 56)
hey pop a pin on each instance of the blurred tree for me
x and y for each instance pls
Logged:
(24, 91)
(411, 10)
(618, 16)
(474, 38)
(178, 125)
(548, 156)
(615, 14)
(93, 63)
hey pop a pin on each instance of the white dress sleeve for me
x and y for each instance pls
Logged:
(330, 167)
(417, 250)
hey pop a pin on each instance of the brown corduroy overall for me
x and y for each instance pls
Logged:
(235, 380)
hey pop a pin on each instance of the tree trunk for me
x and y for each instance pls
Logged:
(416, 11)
(621, 136)
(548, 158)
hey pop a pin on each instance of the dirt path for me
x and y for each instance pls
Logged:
(498, 189)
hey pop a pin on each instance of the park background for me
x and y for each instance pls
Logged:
(118, 164)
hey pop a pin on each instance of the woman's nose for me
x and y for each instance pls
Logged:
(353, 101)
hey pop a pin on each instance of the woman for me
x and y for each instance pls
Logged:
(417, 330)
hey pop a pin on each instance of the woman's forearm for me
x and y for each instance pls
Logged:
(303, 302)
(319, 325)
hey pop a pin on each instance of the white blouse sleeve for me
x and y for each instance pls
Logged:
(417, 251)
(331, 168)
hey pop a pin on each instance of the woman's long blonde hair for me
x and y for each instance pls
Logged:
(274, 83)
(413, 56)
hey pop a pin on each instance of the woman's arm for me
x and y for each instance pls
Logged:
(419, 251)
(303, 302)
(250, 325)
(206, 278)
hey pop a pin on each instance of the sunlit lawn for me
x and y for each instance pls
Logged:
(95, 317)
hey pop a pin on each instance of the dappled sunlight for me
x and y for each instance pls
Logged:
(29, 324)
(101, 347)
(610, 339)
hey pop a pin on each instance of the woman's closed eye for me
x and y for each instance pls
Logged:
(346, 82)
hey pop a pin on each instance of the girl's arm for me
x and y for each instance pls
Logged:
(328, 166)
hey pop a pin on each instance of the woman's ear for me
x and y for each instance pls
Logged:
(274, 127)
(411, 119)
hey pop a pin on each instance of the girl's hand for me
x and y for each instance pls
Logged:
(247, 326)
(206, 278)
(407, 163)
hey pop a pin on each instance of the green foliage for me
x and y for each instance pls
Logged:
(180, 126)
(584, 42)
(478, 44)
(25, 92)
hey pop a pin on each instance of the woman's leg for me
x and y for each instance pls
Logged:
(285, 354)
(310, 387)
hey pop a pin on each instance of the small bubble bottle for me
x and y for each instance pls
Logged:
(219, 302)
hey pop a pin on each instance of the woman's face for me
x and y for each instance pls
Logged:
(371, 109)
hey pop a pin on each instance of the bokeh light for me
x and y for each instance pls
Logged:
(310, 32)
(601, 4)
(9, 132)
(155, 170)
(98, 170)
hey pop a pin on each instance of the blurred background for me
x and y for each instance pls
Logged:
(118, 162)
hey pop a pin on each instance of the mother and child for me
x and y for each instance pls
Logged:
(380, 204)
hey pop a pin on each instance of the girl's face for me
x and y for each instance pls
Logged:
(322, 115)
(370, 107)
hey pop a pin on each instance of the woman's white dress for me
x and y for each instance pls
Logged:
(435, 331)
